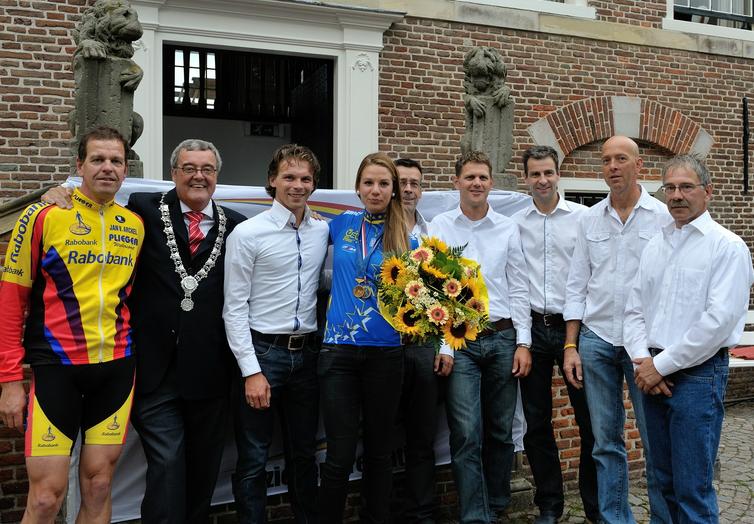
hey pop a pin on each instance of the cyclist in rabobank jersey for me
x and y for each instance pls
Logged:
(72, 270)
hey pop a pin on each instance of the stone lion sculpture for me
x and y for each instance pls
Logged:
(489, 109)
(105, 75)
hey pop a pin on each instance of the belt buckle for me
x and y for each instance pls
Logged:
(546, 320)
(296, 342)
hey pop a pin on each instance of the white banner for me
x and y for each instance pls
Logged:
(128, 482)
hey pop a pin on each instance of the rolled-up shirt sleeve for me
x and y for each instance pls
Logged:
(578, 279)
(239, 266)
(518, 289)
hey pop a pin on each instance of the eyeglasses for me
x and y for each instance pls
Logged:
(685, 189)
(191, 170)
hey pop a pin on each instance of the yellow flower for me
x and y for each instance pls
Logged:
(456, 336)
(473, 286)
(438, 314)
(391, 270)
(452, 287)
(413, 288)
(477, 305)
(435, 243)
(406, 321)
(421, 254)
(433, 271)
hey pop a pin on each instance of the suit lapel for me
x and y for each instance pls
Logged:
(179, 226)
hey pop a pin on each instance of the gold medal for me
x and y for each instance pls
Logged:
(359, 291)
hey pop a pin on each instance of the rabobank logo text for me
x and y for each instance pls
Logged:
(22, 229)
(88, 257)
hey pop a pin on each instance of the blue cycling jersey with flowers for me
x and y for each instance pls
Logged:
(353, 316)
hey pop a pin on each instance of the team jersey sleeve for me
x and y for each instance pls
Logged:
(19, 269)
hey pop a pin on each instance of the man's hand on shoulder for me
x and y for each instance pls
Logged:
(12, 404)
(257, 391)
(60, 196)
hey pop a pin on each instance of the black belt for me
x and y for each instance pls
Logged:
(292, 342)
(549, 319)
(656, 351)
(498, 325)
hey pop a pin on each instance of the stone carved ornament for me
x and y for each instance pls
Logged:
(105, 75)
(489, 111)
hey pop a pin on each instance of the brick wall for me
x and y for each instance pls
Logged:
(645, 13)
(36, 92)
(421, 111)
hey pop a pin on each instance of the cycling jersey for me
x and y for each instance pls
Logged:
(73, 269)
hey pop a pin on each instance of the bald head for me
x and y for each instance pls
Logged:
(621, 164)
(622, 141)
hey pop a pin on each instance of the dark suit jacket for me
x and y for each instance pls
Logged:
(164, 335)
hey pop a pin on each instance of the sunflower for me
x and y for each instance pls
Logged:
(451, 287)
(438, 314)
(391, 270)
(456, 336)
(433, 271)
(421, 254)
(435, 243)
(407, 321)
(473, 287)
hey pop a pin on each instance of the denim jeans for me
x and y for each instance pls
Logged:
(684, 433)
(360, 389)
(604, 368)
(292, 376)
(420, 406)
(539, 440)
(480, 403)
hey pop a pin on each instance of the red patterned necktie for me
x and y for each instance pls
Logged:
(195, 234)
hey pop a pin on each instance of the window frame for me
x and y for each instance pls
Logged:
(671, 23)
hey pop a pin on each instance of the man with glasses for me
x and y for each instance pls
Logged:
(420, 399)
(687, 306)
(611, 237)
(272, 274)
(184, 366)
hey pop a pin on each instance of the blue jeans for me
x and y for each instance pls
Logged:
(480, 403)
(292, 376)
(684, 432)
(604, 367)
(361, 389)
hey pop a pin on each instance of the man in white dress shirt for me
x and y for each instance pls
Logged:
(420, 399)
(687, 306)
(272, 269)
(548, 230)
(611, 237)
(481, 396)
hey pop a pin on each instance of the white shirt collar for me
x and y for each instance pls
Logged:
(208, 212)
(281, 215)
(563, 205)
(703, 223)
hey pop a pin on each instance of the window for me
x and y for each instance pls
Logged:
(585, 198)
(735, 14)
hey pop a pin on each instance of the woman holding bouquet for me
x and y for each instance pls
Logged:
(361, 362)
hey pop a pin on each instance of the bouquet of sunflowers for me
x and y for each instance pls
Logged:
(434, 294)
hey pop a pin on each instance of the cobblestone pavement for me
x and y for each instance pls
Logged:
(735, 489)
